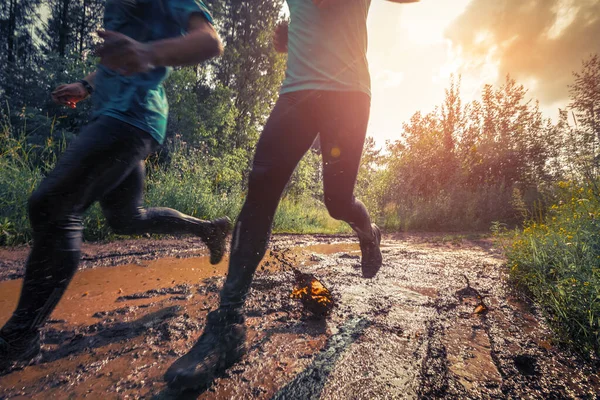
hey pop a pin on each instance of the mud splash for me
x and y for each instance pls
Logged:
(412, 332)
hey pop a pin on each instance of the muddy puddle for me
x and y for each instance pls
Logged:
(436, 322)
(101, 290)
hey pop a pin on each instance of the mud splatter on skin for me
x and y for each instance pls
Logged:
(412, 332)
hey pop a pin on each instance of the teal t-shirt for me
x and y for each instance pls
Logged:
(327, 48)
(140, 99)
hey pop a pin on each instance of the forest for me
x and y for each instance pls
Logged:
(496, 164)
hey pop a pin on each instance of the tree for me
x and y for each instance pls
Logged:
(250, 67)
(585, 97)
(16, 19)
(506, 138)
(70, 26)
(17, 43)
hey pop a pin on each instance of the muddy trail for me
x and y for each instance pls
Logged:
(438, 321)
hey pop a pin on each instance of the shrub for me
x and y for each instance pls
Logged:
(558, 261)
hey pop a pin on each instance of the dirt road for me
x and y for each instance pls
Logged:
(437, 322)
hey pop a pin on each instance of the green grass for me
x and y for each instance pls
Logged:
(189, 183)
(15, 185)
(306, 216)
(453, 210)
(188, 193)
(557, 261)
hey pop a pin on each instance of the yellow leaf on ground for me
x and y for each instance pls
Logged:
(480, 309)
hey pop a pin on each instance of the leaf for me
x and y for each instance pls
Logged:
(480, 309)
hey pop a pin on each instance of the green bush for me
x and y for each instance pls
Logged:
(558, 261)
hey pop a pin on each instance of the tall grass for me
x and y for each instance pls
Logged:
(21, 170)
(306, 215)
(189, 182)
(557, 260)
(454, 209)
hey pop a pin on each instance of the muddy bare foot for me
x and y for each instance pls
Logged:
(436, 322)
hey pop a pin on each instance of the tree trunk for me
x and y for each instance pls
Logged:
(10, 37)
(63, 30)
(82, 27)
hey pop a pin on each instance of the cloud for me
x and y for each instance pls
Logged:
(538, 42)
(390, 78)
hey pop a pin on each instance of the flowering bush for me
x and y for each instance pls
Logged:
(558, 261)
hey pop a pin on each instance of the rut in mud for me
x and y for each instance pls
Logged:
(437, 322)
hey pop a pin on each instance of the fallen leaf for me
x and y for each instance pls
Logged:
(480, 309)
(545, 344)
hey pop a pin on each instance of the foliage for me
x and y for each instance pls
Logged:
(460, 166)
(18, 43)
(70, 26)
(585, 96)
(557, 256)
(558, 262)
(250, 67)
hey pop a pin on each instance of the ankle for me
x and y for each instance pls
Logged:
(227, 315)
(365, 234)
(17, 333)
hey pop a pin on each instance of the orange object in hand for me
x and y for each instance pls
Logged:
(69, 95)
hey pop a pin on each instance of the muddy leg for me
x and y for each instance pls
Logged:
(105, 152)
(288, 134)
(126, 215)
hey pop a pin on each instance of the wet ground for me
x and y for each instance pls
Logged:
(437, 322)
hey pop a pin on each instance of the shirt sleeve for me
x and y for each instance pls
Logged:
(183, 9)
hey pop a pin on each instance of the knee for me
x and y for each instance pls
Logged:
(339, 208)
(39, 208)
(261, 176)
(121, 223)
(47, 210)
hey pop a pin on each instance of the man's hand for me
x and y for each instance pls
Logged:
(280, 38)
(124, 54)
(69, 95)
(128, 56)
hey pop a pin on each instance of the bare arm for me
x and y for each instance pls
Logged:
(129, 56)
(201, 44)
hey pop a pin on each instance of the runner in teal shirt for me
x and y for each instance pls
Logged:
(140, 99)
(327, 48)
(105, 163)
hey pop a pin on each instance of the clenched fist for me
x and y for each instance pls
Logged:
(124, 54)
(70, 94)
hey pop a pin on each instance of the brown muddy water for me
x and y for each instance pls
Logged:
(437, 322)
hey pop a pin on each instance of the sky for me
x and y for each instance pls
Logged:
(415, 48)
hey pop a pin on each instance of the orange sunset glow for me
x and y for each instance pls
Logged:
(415, 48)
